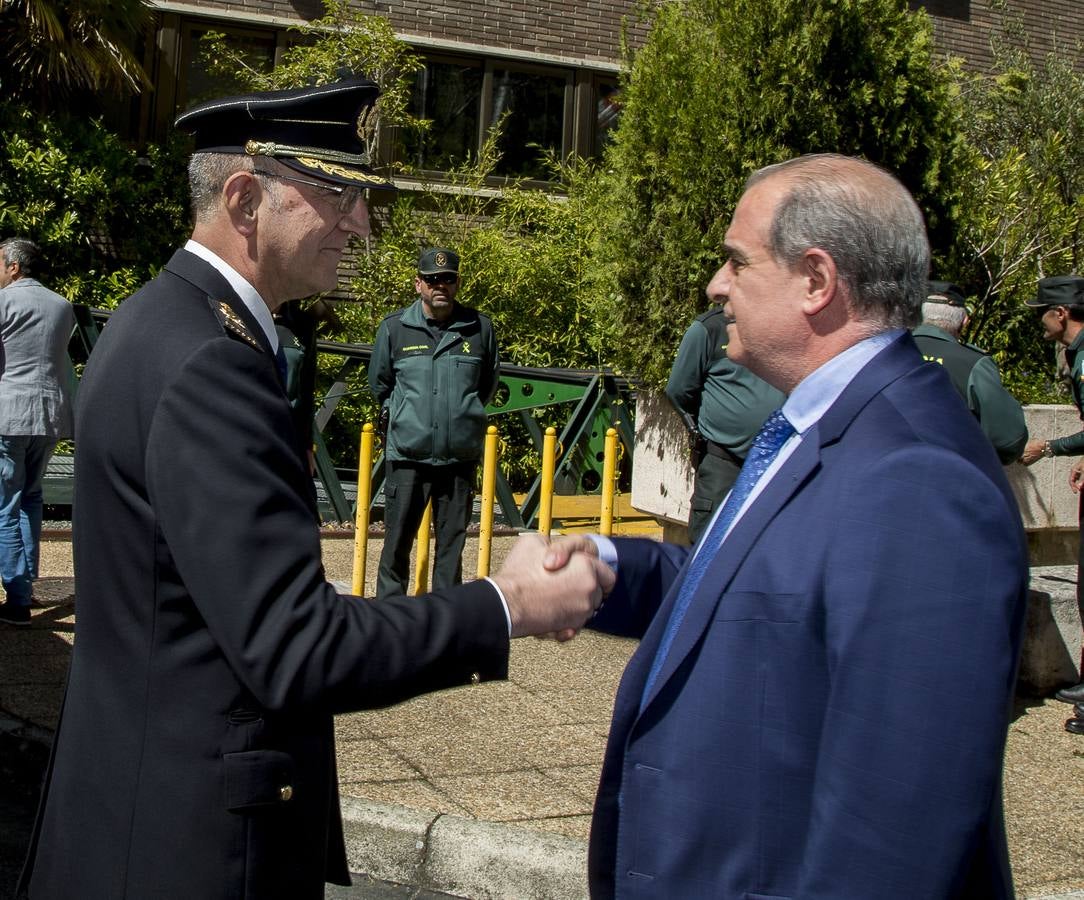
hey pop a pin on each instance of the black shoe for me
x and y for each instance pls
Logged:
(1074, 726)
(1074, 694)
(10, 614)
(1078, 710)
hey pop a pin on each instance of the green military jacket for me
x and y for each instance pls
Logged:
(727, 402)
(975, 376)
(435, 384)
(1073, 444)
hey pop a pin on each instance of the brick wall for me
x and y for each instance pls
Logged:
(1046, 20)
(572, 29)
(590, 30)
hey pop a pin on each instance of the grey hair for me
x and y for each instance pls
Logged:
(866, 220)
(22, 251)
(945, 317)
(207, 176)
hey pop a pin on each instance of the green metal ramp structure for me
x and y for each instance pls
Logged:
(585, 402)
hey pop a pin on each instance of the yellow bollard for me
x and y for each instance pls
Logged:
(489, 491)
(361, 516)
(609, 483)
(421, 565)
(545, 500)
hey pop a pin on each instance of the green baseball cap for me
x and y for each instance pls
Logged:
(1059, 290)
(436, 260)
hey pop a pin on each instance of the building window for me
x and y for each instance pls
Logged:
(463, 98)
(449, 95)
(608, 106)
(257, 48)
(946, 9)
(531, 109)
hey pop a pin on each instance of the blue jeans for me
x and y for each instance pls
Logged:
(22, 466)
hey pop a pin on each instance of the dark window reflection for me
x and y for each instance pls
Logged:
(450, 96)
(608, 102)
(946, 9)
(535, 107)
(257, 51)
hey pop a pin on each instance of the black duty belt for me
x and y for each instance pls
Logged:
(714, 449)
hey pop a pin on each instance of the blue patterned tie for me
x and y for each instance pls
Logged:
(772, 435)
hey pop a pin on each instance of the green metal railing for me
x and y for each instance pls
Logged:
(595, 400)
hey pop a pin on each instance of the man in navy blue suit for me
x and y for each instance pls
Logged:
(819, 703)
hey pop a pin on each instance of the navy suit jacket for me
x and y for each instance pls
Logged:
(831, 717)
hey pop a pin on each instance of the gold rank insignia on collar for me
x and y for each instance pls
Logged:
(466, 347)
(233, 323)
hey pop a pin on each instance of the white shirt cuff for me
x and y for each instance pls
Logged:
(607, 551)
(504, 603)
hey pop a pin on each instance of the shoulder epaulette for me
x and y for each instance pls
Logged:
(232, 322)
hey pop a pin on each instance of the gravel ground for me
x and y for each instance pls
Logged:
(1044, 765)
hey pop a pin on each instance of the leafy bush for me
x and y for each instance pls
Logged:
(1024, 218)
(722, 87)
(104, 216)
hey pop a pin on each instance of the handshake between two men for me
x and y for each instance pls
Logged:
(552, 587)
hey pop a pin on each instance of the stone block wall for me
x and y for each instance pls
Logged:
(1051, 656)
(662, 477)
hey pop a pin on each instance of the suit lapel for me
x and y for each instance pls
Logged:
(896, 360)
(206, 278)
(794, 473)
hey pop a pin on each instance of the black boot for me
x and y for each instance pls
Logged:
(1075, 725)
(1074, 694)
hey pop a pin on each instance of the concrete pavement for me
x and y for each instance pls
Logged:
(486, 791)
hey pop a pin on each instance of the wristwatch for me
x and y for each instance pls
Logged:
(1048, 451)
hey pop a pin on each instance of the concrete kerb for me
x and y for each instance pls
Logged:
(464, 857)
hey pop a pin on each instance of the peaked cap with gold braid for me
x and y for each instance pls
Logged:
(315, 130)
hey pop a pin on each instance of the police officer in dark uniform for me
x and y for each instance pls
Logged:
(1060, 303)
(434, 368)
(195, 753)
(973, 372)
(723, 405)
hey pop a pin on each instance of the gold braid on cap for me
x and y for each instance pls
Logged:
(327, 161)
(268, 148)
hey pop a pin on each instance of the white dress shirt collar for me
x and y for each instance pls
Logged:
(254, 303)
(821, 388)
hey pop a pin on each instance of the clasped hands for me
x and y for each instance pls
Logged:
(553, 587)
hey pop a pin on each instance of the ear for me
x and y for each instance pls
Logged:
(818, 270)
(242, 194)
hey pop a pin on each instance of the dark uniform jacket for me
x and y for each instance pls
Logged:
(727, 402)
(436, 384)
(976, 379)
(1073, 444)
(194, 757)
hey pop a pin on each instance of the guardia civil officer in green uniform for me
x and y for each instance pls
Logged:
(434, 368)
(1060, 302)
(973, 372)
(723, 405)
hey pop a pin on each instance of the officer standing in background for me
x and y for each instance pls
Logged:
(973, 372)
(433, 369)
(722, 404)
(1060, 302)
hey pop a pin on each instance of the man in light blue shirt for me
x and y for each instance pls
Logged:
(789, 725)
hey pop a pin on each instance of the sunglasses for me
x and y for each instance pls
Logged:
(439, 278)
